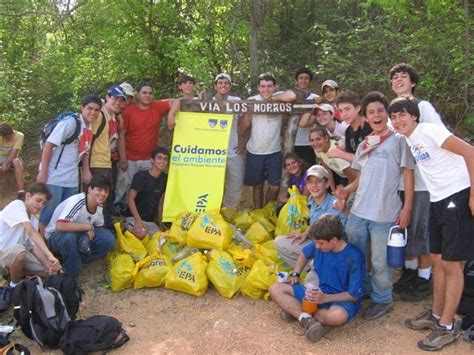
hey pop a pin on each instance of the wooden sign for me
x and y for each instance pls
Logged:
(247, 106)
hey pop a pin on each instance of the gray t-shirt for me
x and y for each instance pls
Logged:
(376, 197)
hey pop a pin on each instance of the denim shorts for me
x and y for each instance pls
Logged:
(259, 168)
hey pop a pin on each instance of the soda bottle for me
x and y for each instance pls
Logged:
(311, 284)
(183, 253)
(239, 237)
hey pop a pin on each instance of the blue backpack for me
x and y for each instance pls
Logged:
(51, 125)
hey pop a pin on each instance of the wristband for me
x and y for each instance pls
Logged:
(295, 274)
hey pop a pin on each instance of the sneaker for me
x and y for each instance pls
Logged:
(286, 316)
(418, 291)
(424, 320)
(313, 329)
(377, 310)
(439, 338)
(406, 279)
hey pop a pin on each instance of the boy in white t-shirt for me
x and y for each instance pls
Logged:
(263, 147)
(59, 162)
(446, 164)
(79, 216)
(22, 249)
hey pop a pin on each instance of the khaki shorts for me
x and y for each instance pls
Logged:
(9, 255)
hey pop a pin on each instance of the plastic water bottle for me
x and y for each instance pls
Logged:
(239, 238)
(183, 253)
(311, 284)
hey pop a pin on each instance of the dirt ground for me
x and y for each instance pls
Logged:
(161, 321)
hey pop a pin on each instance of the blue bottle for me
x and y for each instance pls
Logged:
(397, 242)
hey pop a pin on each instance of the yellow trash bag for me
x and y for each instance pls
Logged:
(269, 251)
(294, 216)
(189, 275)
(270, 211)
(257, 233)
(130, 244)
(261, 277)
(262, 218)
(180, 226)
(228, 214)
(243, 220)
(210, 231)
(241, 255)
(225, 274)
(171, 248)
(111, 255)
(151, 271)
(154, 244)
(121, 272)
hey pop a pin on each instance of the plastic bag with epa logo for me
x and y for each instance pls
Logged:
(151, 271)
(121, 272)
(210, 231)
(180, 227)
(130, 244)
(261, 277)
(257, 233)
(241, 255)
(189, 275)
(269, 251)
(294, 216)
(154, 244)
(225, 274)
(243, 220)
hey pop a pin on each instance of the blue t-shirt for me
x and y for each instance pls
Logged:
(342, 271)
(316, 211)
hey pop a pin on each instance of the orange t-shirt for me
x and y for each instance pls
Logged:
(142, 128)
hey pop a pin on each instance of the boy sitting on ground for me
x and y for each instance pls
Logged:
(10, 145)
(146, 195)
(22, 249)
(341, 269)
(76, 217)
(320, 203)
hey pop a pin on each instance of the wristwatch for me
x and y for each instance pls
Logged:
(295, 274)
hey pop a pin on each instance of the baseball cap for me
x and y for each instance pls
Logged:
(223, 76)
(330, 83)
(318, 171)
(116, 91)
(325, 107)
(128, 89)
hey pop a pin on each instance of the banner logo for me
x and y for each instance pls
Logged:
(212, 122)
(223, 124)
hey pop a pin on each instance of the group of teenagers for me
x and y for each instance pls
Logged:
(373, 164)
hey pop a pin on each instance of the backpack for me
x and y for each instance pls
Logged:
(40, 311)
(51, 125)
(466, 305)
(97, 333)
(70, 291)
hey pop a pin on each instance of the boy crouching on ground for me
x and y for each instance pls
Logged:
(22, 249)
(341, 269)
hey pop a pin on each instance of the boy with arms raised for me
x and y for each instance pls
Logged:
(186, 85)
(341, 269)
(320, 203)
(264, 158)
(146, 195)
(446, 164)
(22, 249)
(76, 218)
(382, 159)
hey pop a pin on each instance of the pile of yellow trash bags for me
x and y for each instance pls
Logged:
(234, 251)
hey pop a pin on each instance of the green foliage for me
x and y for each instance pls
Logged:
(52, 54)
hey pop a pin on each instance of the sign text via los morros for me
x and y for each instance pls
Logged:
(246, 106)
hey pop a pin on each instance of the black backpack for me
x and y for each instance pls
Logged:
(97, 333)
(70, 290)
(51, 125)
(40, 311)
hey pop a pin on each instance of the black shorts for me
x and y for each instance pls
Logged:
(452, 227)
